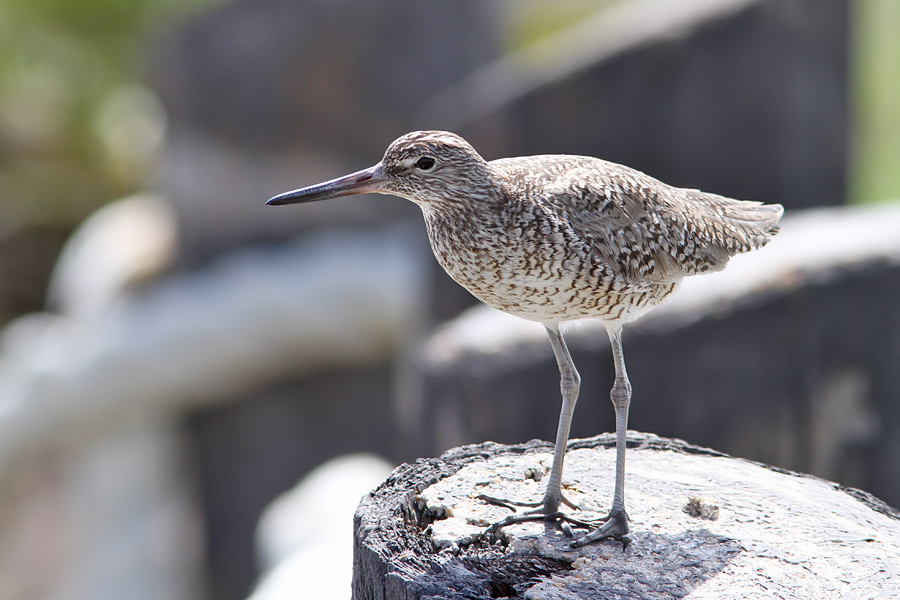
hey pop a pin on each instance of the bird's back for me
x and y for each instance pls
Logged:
(644, 229)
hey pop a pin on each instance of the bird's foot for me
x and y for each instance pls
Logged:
(539, 512)
(616, 527)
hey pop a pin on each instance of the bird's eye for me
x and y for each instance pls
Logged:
(425, 163)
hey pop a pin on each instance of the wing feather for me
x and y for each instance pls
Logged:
(642, 228)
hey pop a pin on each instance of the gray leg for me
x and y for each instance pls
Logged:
(548, 509)
(617, 523)
(570, 382)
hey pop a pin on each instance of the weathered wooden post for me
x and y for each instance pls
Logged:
(704, 525)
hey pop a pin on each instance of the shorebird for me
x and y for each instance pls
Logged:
(554, 238)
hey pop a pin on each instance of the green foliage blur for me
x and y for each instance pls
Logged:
(77, 128)
(875, 171)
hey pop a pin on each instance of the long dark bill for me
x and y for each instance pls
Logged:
(361, 182)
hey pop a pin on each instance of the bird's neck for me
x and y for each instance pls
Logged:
(470, 201)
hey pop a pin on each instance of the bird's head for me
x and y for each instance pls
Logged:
(430, 168)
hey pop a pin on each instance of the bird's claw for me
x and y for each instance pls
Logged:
(616, 527)
(509, 504)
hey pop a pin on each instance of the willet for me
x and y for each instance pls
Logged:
(553, 238)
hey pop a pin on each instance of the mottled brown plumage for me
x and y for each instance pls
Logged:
(554, 238)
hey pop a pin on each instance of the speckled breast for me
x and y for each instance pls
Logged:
(547, 278)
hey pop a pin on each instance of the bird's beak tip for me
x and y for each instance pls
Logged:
(279, 199)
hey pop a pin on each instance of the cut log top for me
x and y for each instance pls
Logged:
(705, 525)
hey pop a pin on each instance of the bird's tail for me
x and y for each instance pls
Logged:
(751, 224)
(759, 221)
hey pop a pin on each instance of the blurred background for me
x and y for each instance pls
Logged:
(175, 356)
